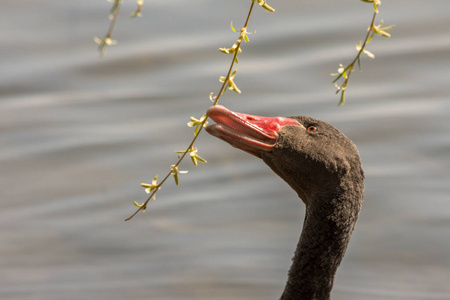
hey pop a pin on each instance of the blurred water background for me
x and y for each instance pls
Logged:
(79, 133)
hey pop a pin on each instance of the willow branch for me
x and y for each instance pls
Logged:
(372, 30)
(114, 15)
(191, 145)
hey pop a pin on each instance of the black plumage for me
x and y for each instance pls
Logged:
(323, 166)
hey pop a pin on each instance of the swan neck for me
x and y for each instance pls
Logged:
(326, 233)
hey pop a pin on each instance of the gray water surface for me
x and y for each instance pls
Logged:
(79, 133)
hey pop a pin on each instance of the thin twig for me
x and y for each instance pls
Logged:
(107, 40)
(351, 65)
(347, 71)
(222, 88)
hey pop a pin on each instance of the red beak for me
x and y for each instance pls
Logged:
(246, 132)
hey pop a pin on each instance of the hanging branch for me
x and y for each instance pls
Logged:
(113, 16)
(345, 72)
(199, 124)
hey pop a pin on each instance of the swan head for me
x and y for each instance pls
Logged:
(312, 156)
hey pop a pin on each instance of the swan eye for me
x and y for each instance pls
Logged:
(311, 129)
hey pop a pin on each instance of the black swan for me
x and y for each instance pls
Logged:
(323, 166)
